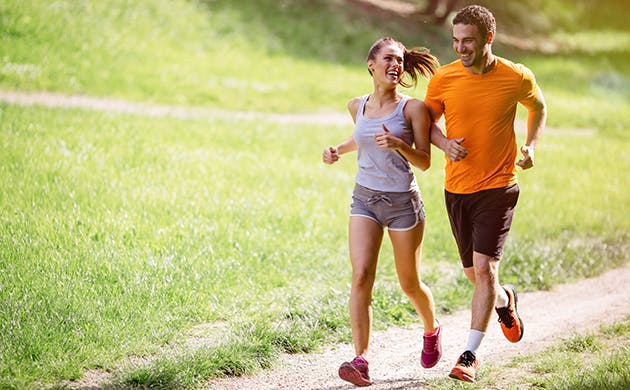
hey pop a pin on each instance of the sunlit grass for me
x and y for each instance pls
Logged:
(596, 359)
(583, 41)
(583, 361)
(184, 52)
(145, 227)
(241, 58)
(585, 85)
(120, 233)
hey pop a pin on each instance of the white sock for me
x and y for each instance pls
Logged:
(502, 298)
(474, 340)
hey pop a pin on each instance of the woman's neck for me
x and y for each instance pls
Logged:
(384, 96)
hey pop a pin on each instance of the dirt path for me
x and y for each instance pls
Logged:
(58, 100)
(120, 106)
(395, 353)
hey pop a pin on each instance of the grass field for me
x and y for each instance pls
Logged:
(597, 359)
(120, 234)
(117, 240)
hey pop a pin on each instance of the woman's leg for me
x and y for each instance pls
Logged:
(365, 238)
(407, 253)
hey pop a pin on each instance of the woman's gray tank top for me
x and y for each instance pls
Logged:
(383, 169)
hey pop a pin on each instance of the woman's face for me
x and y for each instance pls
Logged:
(387, 66)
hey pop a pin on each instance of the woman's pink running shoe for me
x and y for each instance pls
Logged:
(356, 372)
(432, 351)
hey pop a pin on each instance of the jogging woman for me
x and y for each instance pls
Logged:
(391, 134)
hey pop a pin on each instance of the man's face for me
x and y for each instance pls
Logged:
(469, 45)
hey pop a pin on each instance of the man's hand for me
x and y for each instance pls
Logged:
(454, 149)
(528, 157)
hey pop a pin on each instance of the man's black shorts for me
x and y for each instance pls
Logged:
(481, 221)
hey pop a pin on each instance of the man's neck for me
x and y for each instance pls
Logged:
(487, 64)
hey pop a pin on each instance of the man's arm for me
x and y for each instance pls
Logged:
(437, 137)
(453, 148)
(536, 120)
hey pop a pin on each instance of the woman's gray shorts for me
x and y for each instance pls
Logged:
(394, 210)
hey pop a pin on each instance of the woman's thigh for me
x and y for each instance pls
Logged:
(407, 247)
(365, 238)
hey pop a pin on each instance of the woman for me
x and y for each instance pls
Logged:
(391, 131)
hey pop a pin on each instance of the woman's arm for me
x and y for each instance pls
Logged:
(417, 116)
(332, 153)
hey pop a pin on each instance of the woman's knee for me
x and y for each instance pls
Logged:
(363, 277)
(410, 286)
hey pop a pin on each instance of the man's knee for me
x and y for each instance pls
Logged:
(485, 267)
(470, 274)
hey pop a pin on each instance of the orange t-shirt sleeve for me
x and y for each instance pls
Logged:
(433, 98)
(529, 88)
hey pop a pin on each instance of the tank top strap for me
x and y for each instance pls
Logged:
(401, 105)
(361, 110)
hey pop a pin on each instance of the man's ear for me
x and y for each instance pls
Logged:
(490, 37)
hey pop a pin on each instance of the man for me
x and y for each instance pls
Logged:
(478, 94)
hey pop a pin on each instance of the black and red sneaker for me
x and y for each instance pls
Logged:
(511, 323)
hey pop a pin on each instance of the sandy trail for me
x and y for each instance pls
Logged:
(395, 353)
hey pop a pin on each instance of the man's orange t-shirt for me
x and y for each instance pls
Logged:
(481, 109)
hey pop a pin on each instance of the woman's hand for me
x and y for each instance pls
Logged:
(386, 139)
(330, 155)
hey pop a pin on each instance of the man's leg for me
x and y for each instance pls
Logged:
(486, 271)
(484, 275)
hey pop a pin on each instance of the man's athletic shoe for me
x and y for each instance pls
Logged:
(355, 372)
(432, 350)
(511, 323)
(465, 367)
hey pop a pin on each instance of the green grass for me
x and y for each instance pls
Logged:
(109, 235)
(595, 85)
(118, 240)
(120, 234)
(597, 359)
(260, 55)
(591, 360)
(263, 56)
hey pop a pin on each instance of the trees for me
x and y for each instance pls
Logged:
(438, 10)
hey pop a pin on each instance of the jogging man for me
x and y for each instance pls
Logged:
(478, 94)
